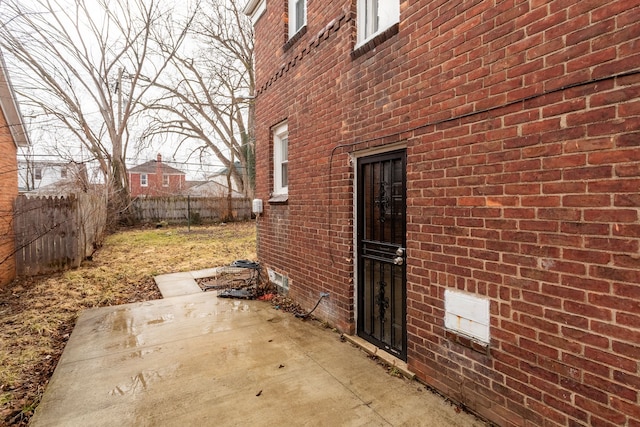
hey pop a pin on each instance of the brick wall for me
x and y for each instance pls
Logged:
(541, 217)
(8, 193)
(155, 185)
(522, 126)
(286, 245)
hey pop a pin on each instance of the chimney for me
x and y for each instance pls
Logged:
(159, 160)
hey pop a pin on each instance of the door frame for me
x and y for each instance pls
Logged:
(354, 158)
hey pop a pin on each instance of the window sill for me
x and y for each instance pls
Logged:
(297, 36)
(375, 41)
(279, 199)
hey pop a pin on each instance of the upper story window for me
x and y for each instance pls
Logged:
(143, 180)
(281, 159)
(297, 16)
(165, 180)
(38, 173)
(375, 16)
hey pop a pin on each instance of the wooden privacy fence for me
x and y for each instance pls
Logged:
(183, 208)
(57, 233)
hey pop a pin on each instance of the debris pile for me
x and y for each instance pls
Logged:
(241, 279)
(284, 303)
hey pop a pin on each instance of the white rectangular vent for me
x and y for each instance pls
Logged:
(467, 314)
(281, 281)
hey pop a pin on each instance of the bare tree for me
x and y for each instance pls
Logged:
(208, 95)
(26, 168)
(87, 65)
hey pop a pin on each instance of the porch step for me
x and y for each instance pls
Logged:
(387, 358)
(177, 284)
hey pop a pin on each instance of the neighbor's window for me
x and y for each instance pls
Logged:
(63, 173)
(375, 16)
(297, 16)
(281, 159)
(143, 180)
(38, 174)
(165, 180)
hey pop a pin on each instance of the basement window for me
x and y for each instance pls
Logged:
(467, 315)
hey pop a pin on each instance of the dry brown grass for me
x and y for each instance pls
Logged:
(37, 314)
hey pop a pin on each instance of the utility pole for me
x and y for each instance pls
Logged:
(230, 171)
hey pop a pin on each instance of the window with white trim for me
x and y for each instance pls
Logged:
(143, 180)
(281, 159)
(375, 16)
(165, 180)
(297, 16)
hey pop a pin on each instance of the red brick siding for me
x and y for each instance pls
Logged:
(155, 185)
(290, 243)
(8, 193)
(521, 121)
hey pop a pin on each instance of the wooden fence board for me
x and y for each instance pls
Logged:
(56, 233)
(176, 209)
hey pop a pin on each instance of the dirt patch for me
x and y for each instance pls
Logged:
(37, 314)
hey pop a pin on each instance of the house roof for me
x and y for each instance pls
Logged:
(224, 170)
(151, 167)
(251, 6)
(191, 184)
(210, 188)
(47, 163)
(10, 108)
(254, 9)
(61, 187)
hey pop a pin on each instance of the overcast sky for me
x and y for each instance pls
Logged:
(54, 144)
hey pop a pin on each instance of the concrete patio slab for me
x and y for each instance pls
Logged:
(177, 284)
(197, 359)
(207, 272)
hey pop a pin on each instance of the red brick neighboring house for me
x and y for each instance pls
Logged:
(463, 178)
(12, 135)
(154, 178)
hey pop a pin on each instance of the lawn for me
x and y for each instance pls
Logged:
(37, 314)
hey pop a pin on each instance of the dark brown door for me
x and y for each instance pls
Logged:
(381, 242)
